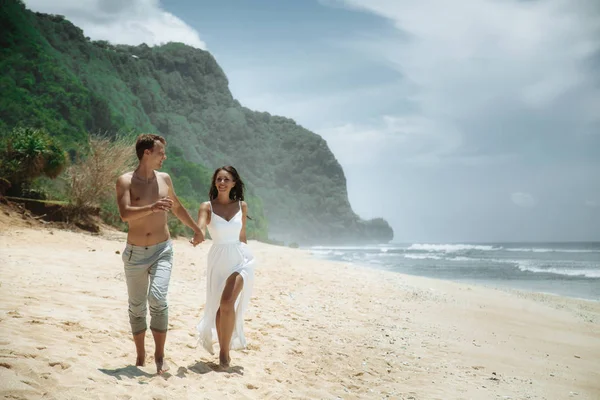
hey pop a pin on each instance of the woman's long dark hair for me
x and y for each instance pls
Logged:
(236, 193)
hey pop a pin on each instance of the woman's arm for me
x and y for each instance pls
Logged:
(244, 217)
(204, 217)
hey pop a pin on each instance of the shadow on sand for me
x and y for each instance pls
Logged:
(130, 371)
(202, 367)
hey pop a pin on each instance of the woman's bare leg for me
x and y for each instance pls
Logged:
(233, 287)
(218, 324)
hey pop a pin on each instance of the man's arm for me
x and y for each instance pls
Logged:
(182, 214)
(129, 213)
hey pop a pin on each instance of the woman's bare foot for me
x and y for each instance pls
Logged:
(161, 365)
(224, 360)
(140, 360)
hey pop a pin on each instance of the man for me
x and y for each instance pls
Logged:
(145, 196)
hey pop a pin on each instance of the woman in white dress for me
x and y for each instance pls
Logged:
(230, 271)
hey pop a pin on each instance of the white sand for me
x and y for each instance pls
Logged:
(316, 330)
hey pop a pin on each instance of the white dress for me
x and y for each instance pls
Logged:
(226, 256)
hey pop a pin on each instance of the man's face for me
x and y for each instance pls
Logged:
(157, 155)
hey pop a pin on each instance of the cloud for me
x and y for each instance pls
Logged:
(505, 70)
(320, 112)
(122, 22)
(403, 140)
(524, 200)
(591, 203)
(391, 139)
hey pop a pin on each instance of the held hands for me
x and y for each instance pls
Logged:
(197, 239)
(163, 204)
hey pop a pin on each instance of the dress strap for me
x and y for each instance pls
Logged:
(210, 204)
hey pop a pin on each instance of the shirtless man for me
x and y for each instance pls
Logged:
(145, 196)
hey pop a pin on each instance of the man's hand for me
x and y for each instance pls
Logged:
(197, 239)
(163, 204)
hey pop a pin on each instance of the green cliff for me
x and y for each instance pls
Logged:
(54, 77)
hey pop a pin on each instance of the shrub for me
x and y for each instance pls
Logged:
(28, 153)
(91, 179)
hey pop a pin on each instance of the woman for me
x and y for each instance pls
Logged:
(230, 271)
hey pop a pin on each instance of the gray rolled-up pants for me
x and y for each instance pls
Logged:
(147, 272)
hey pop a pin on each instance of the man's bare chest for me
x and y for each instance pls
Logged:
(147, 193)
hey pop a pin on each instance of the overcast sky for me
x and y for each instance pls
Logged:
(463, 120)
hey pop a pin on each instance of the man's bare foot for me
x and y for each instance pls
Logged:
(141, 360)
(161, 365)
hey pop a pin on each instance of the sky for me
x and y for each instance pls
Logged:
(462, 121)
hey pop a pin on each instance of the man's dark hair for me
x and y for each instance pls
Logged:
(146, 142)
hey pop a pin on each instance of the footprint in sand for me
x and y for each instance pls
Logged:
(71, 326)
(5, 365)
(61, 364)
(120, 276)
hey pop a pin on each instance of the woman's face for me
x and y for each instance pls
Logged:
(224, 181)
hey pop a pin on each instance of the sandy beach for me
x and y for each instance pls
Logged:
(316, 330)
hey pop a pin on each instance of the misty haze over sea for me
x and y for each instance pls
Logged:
(568, 269)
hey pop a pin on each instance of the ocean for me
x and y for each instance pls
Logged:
(566, 269)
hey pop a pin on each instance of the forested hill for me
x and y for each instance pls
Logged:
(55, 77)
